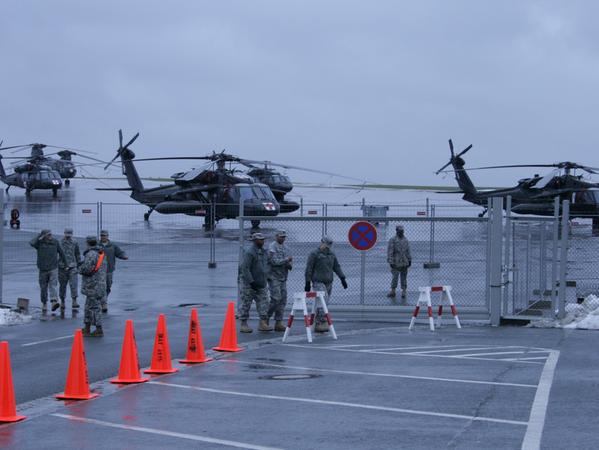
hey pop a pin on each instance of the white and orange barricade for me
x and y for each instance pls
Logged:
(300, 303)
(425, 299)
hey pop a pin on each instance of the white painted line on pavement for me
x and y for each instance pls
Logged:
(350, 405)
(29, 344)
(407, 354)
(536, 421)
(451, 347)
(500, 353)
(524, 359)
(191, 437)
(375, 374)
(471, 349)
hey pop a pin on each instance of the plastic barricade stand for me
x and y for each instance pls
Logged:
(425, 299)
(300, 303)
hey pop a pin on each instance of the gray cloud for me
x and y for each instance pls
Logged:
(368, 89)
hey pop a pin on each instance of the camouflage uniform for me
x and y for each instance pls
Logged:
(254, 270)
(278, 262)
(321, 265)
(399, 259)
(48, 253)
(112, 252)
(67, 271)
(93, 285)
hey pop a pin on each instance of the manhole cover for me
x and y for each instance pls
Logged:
(292, 377)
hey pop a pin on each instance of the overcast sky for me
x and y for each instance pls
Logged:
(370, 89)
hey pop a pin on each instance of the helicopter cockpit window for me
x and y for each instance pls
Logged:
(266, 193)
(246, 193)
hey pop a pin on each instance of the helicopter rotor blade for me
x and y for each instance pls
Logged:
(464, 151)
(451, 147)
(120, 139)
(132, 140)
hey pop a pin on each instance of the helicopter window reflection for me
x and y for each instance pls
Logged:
(245, 193)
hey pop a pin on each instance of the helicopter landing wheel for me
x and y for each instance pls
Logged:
(27, 192)
(67, 182)
(54, 193)
(255, 224)
(146, 216)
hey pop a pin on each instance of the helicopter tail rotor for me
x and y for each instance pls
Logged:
(453, 156)
(121, 149)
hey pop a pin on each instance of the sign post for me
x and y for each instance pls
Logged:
(362, 236)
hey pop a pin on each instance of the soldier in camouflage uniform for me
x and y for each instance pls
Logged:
(279, 262)
(399, 259)
(322, 264)
(93, 285)
(254, 270)
(113, 252)
(48, 254)
(68, 273)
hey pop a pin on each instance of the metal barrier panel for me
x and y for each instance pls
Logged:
(459, 250)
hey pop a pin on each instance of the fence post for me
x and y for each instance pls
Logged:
(1, 246)
(554, 254)
(495, 260)
(543, 261)
(563, 260)
(241, 223)
(212, 261)
(488, 257)
(431, 264)
(507, 266)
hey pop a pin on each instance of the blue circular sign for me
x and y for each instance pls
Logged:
(362, 235)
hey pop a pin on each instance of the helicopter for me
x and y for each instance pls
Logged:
(64, 166)
(31, 176)
(213, 194)
(534, 195)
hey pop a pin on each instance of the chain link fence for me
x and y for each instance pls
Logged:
(449, 246)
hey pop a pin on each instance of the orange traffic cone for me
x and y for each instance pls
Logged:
(228, 338)
(195, 346)
(161, 356)
(8, 407)
(77, 385)
(129, 369)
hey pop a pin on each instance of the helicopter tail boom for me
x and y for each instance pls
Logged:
(2, 171)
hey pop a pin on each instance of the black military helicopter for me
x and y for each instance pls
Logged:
(31, 176)
(213, 194)
(534, 195)
(64, 165)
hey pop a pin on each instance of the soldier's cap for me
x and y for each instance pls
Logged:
(281, 233)
(91, 238)
(257, 237)
(68, 231)
(399, 228)
(327, 241)
(45, 232)
(103, 233)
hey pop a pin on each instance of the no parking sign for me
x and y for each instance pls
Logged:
(362, 235)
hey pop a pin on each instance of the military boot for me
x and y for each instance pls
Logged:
(55, 305)
(44, 308)
(321, 327)
(280, 326)
(86, 330)
(62, 306)
(264, 326)
(75, 304)
(403, 293)
(244, 327)
(105, 308)
(391, 293)
(98, 332)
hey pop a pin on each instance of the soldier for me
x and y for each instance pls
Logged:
(67, 271)
(48, 253)
(112, 251)
(399, 259)
(93, 271)
(279, 262)
(254, 270)
(321, 265)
